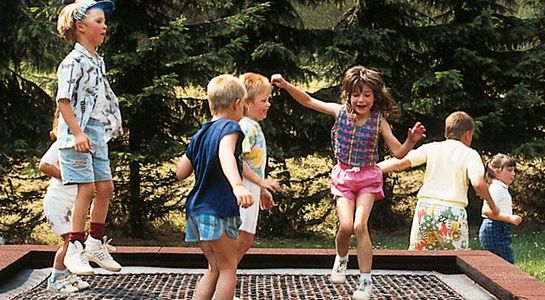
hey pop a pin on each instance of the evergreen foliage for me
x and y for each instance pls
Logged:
(485, 57)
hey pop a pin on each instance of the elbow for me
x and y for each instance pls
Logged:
(43, 166)
(398, 155)
(180, 175)
(488, 213)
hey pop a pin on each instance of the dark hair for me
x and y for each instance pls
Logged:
(353, 81)
(497, 163)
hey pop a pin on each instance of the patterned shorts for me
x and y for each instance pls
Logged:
(496, 237)
(439, 227)
(205, 227)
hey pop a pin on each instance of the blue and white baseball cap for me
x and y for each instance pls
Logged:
(106, 5)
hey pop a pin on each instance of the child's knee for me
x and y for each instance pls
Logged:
(361, 229)
(105, 187)
(346, 229)
(86, 191)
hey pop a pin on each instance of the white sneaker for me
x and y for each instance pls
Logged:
(364, 290)
(76, 281)
(76, 260)
(99, 252)
(62, 286)
(338, 273)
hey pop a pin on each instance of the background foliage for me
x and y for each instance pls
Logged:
(485, 57)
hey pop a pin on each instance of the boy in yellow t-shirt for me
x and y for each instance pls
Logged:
(440, 218)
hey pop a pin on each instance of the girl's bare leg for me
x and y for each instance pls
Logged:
(345, 212)
(364, 204)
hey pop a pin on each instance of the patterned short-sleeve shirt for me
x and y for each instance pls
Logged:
(81, 80)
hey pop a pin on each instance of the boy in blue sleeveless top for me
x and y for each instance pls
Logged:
(212, 205)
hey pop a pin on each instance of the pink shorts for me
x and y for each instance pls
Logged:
(352, 182)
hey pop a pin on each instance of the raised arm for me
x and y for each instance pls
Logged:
(398, 150)
(328, 108)
(228, 163)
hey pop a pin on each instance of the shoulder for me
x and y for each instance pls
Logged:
(224, 126)
(74, 59)
(473, 154)
(249, 126)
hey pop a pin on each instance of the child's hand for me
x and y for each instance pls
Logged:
(271, 184)
(279, 81)
(416, 133)
(266, 200)
(515, 219)
(244, 197)
(83, 143)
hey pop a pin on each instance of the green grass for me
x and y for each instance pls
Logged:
(529, 248)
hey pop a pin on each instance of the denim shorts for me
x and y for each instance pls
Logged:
(77, 167)
(204, 227)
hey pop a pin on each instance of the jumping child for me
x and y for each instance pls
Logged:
(356, 180)
(254, 157)
(90, 117)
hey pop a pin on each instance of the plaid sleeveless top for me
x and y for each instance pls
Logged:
(356, 146)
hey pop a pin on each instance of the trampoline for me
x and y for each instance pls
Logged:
(172, 273)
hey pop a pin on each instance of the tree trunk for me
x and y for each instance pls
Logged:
(136, 220)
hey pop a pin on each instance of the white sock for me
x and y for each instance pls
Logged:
(365, 277)
(342, 258)
(56, 274)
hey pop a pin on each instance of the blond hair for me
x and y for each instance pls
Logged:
(224, 90)
(457, 124)
(255, 84)
(53, 132)
(66, 23)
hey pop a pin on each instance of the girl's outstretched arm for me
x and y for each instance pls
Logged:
(328, 108)
(399, 150)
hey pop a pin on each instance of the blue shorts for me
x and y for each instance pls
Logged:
(77, 167)
(495, 236)
(205, 227)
